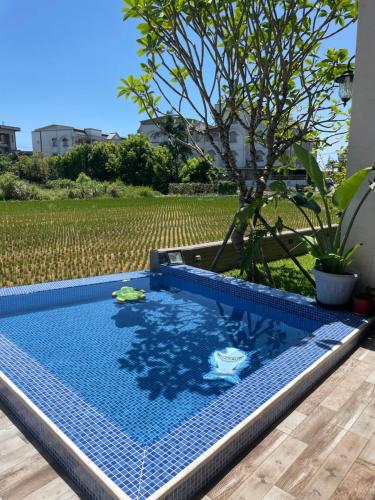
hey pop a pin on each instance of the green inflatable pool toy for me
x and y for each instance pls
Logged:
(129, 294)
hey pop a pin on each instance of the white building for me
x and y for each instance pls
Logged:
(239, 148)
(58, 139)
(8, 139)
(361, 153)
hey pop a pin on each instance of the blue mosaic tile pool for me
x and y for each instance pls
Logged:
(125, 382)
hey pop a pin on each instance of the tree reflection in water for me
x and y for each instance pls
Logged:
(174, 337)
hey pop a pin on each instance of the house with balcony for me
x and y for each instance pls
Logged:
(238, 141)
(8, 139)
(58, 139)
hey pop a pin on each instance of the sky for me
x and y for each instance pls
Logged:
(61, 62)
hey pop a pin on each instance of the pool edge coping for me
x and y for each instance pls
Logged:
(209, 454)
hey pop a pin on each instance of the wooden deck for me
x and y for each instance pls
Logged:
(324, 449)
(24, 472)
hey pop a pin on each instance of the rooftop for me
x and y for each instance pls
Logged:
(9, 127)
(54, 126)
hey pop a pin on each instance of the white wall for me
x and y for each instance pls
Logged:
(238, 144)
(57, 140)
(11, 137)
(43, 141)
(155, 135)
(362, 138)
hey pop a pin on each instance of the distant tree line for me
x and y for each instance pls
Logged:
(133, 161)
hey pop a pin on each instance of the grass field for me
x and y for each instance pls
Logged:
(44, 240)
(287, 276)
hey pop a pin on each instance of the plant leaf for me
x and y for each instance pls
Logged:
(247, 212)
(351, 251)
(349, 188)
(278, 186)
(309, 203)
(312, 168)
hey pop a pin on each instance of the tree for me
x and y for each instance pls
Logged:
(259, 62)
(6, 163)
(34, 168)
(75, 161)
(98, 160)
(136, 160)
(163, 167)
(197, 170)
(177, 142)
(335, 170)
(102, 162)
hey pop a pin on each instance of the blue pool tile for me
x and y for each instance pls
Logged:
(141, 466)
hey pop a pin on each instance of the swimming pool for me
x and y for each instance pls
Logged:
(128, 394)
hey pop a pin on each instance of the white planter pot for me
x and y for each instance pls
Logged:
(334, 289)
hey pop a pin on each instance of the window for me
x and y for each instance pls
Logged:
(54, 142)
(65, 142)
(233, 137)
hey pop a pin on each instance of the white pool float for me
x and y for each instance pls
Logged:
(227, 365)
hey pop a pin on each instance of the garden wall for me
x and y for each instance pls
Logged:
(203, 254)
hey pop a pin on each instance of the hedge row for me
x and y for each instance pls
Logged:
(192, 188)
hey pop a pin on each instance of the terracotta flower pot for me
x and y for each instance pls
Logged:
(363, 303)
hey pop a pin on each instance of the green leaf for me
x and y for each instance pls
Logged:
(349, 188)
(247, 212)
(304, 202)
(312, 168)
(351, 251)
(144, 28)
(313, 247)
(278, 186)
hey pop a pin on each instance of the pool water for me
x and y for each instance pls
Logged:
(143, 364)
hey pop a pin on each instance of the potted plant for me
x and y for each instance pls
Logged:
(363, 303)
(328, 244)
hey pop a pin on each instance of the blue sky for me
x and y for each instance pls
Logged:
(61, 62)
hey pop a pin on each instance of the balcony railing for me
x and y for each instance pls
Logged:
(249, 174)
(291, 177)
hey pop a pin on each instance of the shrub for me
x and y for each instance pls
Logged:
(6, 163)
(198, 170)
(60, 184)
(226, 187)
(34, 168)
(146, 192)
(74, 194)
(83, 178)
(12, 188)
(191, 188)
(139, 191)
(87, 187)
(115, 189)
